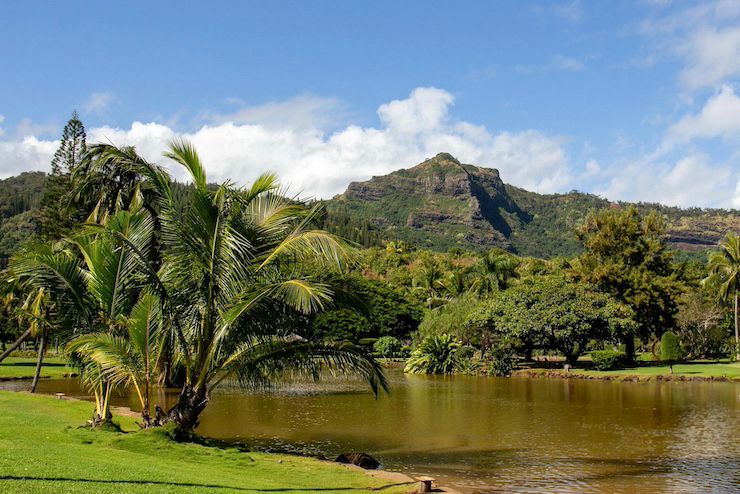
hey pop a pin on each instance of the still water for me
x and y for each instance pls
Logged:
(497, 434)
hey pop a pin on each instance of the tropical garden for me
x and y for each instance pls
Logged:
(142, 282)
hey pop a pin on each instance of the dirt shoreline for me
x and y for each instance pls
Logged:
(557, 374)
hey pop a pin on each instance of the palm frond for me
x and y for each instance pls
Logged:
(184, 153)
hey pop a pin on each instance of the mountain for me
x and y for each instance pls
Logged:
(442, 203)
(19, 198)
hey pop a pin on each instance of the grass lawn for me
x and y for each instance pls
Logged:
(17, 367)
(700, 368)
(41, 450)
(688, 369)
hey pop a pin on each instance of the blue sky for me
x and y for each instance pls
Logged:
(632, 100)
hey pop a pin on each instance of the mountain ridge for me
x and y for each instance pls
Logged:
(442, 203)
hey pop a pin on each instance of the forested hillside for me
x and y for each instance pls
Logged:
(19, 198)
(442, 203)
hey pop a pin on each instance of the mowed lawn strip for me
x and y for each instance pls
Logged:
(703, 369)
(690, 369)
(21, 367)
(42, 450)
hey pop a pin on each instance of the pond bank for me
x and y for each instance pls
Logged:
(50, 453)
(700, 370)
(615, 376)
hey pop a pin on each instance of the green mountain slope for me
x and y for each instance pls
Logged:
(442, 203)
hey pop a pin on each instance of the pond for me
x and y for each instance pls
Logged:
(497, 434)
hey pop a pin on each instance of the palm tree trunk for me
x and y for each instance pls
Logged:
(42, 350)
(15, 344)
(188, 408)
(737, 334)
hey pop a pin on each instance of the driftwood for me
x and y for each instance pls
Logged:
(362, 460)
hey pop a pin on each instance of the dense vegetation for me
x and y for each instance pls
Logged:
(150, 282)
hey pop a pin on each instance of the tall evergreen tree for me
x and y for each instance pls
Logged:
(71, 149)
(626, 256)
(57, 212)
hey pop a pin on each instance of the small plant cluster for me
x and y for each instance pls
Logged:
(604, 360)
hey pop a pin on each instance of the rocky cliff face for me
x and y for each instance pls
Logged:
(442, 196)
(442, 203)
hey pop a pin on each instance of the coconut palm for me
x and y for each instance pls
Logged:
(129, 358)
(495, 271)
(232, 259)
(725, 268)
(93, 283)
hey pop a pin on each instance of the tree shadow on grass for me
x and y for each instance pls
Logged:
(208, 486)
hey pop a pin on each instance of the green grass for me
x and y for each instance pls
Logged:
(20, 367)
(647, 370)
(688, 369)
(42, 450)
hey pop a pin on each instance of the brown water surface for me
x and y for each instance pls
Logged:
(497, 434)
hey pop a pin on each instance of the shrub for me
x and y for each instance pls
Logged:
(670, 349)
(501, 360)
(388, 346)
(435, 355)
(607, 359)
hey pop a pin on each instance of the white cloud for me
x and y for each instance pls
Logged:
(302, 112)
(25, 155)
(319, 164)
(736, 198)
(316, 163)
(424, 111)
(704, 35)
(98, 103)
(593, 167)
(720, 117)
(713, 55)
(689, 181)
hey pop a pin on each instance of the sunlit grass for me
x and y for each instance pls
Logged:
(42, 450)
(690, 369)
(19, 367)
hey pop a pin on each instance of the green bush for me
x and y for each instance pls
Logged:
(645, 357)
(387, 347)
(501, 360)
(435, 355)
(670, 348)
(607, 359)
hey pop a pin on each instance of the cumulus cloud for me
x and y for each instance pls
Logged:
(720, 117)
(27, 154)
(319, 163)
(688, 181)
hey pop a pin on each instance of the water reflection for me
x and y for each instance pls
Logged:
(488, 434)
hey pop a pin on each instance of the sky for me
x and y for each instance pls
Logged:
(630, 100)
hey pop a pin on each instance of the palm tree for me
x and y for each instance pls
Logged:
(130, 358)
(232, 259)
(495, 271)
(725, 268)
(428, 279)
(93, 283)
